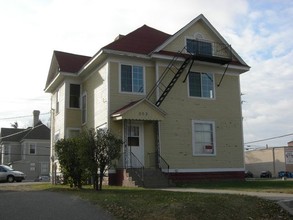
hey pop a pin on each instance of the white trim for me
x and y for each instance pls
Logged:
(29, 148)
(214, 139)
(71, 129)
(123, 53)
(143, 75)
(201, 97)
(81, 108)
(206, 170)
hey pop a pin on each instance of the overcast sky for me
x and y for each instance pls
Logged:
(261, 31)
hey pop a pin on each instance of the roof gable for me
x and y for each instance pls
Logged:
(142, 41)
(139, 110)
(65, 62)
(39, 132)
(69, 62)
(209, 28)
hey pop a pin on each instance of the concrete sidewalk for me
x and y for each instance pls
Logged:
(283, 199)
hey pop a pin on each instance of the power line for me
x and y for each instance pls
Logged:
(266, 139)
(24, 116)
(29, 155)
(29, 128)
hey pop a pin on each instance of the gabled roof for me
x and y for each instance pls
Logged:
(39, 132)
(142, 41)
(139, 110)
(13, 134)
(65, 62)
(69, 62)
(202, 18)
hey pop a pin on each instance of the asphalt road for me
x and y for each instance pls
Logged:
(43, 205)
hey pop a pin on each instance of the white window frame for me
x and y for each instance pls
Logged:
(202, 97)
(72, 129)
(143, 77)
(194, 139)
(84, 108)
(57, 101)
(34, 146)
(70, 96)
(45, 168)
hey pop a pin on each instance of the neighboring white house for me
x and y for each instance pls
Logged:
(27, 150)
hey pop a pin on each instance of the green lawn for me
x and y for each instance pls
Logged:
(139, 203)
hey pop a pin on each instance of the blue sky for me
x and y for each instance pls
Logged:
(259, 30)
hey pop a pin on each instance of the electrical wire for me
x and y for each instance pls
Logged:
(24, 116)
(266, 139)
(30, 128)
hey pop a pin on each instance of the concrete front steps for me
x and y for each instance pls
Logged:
(152, 178)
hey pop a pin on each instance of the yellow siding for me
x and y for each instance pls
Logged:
(73, 118)
(117, 99)
(199, 27)
(95, 88)
(224, 110)
(59, 118)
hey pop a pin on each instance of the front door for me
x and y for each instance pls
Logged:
(135, 146)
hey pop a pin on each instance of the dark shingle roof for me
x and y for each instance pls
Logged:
(142, 41)
(69, 62)
(40, 132)
(13, 134)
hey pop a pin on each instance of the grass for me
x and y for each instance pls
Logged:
(267, 185)
(144, 204)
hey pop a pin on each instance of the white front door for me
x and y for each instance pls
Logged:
(135, 144)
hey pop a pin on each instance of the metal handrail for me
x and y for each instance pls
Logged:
(163, 163)
(136, 166)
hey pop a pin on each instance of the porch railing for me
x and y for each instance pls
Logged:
(136, 166)
(156, 160)
(163, 165)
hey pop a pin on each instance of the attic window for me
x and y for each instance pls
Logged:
(199, 47)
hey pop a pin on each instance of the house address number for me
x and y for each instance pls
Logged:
(143, 113)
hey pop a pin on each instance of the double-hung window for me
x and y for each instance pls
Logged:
(201, 85)
(203, 138)
(74, 96)
(132, 79)
(32, 148)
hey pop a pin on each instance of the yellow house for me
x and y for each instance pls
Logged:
(174, 99)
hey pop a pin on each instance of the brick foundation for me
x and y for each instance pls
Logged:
(206, 176)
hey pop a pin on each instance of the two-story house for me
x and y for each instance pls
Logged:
(174, 99)
(27, 150)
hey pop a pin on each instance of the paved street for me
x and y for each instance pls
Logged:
(43, 205)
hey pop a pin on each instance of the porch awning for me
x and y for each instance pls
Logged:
(139, 110)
